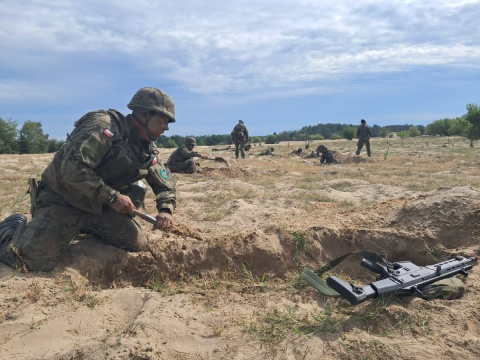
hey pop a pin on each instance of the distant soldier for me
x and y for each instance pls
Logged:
(239, 138)
(326, 156)
(182, 159)
(269, 151)
(296, 152)
(363, 134)
(312, 155)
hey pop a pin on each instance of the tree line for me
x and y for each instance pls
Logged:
(30, 139)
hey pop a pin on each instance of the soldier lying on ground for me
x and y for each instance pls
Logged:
(269, 151)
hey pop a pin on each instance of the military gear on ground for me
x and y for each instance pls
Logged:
(247, 147)
(398, 278)
(449, 289)
(152, 99)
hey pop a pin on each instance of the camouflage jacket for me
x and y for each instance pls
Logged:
(364, 132)
(181, 154)
(240, 133)
(328, 157)
(102, 155)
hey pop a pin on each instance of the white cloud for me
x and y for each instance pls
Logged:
(220, 47)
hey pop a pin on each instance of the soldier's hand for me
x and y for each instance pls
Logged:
(123, 205)
(164, 221)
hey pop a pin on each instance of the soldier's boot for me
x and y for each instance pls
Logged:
(9, 225)
(369, 154)
(357, 152)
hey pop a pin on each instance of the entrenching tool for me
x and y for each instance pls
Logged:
(145, 217)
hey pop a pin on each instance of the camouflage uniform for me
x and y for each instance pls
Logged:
(100, 159)
(326, 156)
(267, 152)
(363, 134)
(240, 137)
(181, 161)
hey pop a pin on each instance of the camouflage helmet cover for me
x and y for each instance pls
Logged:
(153, 99)
(190, 140)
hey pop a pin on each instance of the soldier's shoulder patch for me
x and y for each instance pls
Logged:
(108, 133)
(165, 173)
(155, 160)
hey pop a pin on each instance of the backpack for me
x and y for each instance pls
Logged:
(238, 133)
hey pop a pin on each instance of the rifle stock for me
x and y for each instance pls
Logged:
(403, 278)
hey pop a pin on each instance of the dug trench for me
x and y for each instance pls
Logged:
(424, 229)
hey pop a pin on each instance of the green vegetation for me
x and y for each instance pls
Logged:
(31, 140)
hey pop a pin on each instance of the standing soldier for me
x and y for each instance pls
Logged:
(363, 134)
(181, 160)
(239, 138)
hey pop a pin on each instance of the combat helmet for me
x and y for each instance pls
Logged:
(153, 99)
(321, 148)
(190, 140)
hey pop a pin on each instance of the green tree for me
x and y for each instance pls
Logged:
(473, 117)
(32, 140)
(439, 127)
(414, 131)
(403, 134)
(8, 137)
(349, 132)
(384, 132)
(270, 139)
(460, 126)
(54, 145)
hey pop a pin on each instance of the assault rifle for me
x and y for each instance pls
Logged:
(398, 278)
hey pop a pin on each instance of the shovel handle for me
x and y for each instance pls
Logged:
(145, 217)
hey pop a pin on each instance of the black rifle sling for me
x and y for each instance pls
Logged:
(369, 255)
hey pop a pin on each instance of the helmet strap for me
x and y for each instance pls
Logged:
(148, 118)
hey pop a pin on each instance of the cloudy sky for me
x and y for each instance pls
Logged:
(277, 65)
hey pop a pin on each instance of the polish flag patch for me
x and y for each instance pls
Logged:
(108, 133)
(155, 160)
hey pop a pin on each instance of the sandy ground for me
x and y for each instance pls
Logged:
(226, 284)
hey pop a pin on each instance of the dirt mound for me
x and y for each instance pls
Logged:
(226, 284)
(423, 229)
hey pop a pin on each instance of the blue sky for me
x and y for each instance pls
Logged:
(277, 65)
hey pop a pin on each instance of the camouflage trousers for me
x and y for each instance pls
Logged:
(240, 148)
(360, 144)
(188, 167)
(37, 245)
